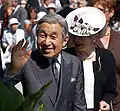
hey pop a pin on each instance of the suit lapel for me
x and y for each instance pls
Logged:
(52, 90)
(66, 69)
(45, 75)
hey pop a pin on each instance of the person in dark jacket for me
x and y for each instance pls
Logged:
(110, 41)
(98, 64)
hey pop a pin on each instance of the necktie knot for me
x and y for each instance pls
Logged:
(53, 61)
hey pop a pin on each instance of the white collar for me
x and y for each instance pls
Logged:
(92, 57)
(58, 59)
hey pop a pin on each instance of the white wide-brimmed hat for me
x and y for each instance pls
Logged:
(85, 21)
(13, 21)
(40, 15)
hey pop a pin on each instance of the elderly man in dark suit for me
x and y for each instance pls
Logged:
(19, 12)
(66, 93)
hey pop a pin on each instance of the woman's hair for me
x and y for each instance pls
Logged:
(30, 10)
(6, 4)
(54, 19)
(110, 4)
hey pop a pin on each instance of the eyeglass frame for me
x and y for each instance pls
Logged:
(103, 10)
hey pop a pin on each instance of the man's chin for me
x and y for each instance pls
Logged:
(48, 55)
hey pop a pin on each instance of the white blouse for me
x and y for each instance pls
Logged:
(89, 81)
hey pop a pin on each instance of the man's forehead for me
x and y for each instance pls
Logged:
(49, 26)
(48, 31)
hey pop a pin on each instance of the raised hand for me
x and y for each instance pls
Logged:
(19, 56)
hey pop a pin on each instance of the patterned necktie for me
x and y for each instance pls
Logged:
(55, 70)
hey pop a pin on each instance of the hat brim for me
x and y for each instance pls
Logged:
(13, 24)
(85, 21)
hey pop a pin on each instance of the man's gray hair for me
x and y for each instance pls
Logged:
(53, 19)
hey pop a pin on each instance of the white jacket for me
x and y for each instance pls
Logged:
(7, 37)
(7, 42)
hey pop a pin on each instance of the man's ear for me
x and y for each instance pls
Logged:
(65, 41)
(112, 11)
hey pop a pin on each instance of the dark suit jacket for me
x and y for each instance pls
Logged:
(113, 47)
(104, 72)
(70, 94)
(21, 15)
(1, 13)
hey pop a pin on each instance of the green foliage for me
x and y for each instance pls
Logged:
(12, 100)
(41, 108)
(29, 103)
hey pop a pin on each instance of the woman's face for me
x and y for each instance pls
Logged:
(9, 10)
(33, 14)
(108, 13)
(84, 46)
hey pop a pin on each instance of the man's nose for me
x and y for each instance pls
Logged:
(47, 41)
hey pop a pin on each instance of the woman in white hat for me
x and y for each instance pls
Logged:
(98, 64)
(11, 36)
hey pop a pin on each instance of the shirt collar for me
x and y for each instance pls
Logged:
(58, 58)
(92, 57)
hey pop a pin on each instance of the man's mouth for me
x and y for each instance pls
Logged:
(47, 49)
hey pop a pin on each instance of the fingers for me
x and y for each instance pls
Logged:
(104, 106)
(25, 46)
(29, 52)
(14, 49)
(20, 46)
(27, 55)
(20, 49)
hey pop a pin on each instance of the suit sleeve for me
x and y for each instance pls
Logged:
(79, 102)
(12, 78)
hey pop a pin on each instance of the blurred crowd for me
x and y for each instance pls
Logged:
(18, 19)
